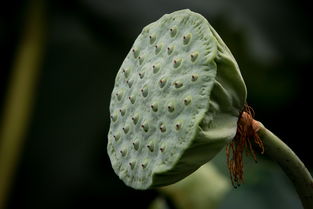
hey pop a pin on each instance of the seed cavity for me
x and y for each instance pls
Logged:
(154, 107)
(162, 128)
(132, 164)
(129, 83)
(145, 126)
(170, 50)
(113, 117)
(178, 125)
(141, 75)
(150, 147)
(116, 137)
(126, 129)
(135, 52)
(162, 82)
(158, 48)
(177, 62)
(144, 165)
(135, 119)
(194, 56)
(170, 107)
(194, 77)
(123, 152)
(126, 72)
(132, 99)
(152, 39)
(122, 111)
(187, 100)
(140, 59)
(178, 84)
(186, 38)
(156, 68)
(136, 145)
(173, 31)
(119, 95)
(144, 91)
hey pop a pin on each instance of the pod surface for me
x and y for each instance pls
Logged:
(171, 109)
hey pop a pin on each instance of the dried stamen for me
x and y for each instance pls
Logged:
(247, 129)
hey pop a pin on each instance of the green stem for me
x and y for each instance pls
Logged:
(20, 96)
(294, 168)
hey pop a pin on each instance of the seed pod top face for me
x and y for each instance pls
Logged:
(182, 106)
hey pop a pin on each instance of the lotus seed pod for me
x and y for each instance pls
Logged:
(178, 107)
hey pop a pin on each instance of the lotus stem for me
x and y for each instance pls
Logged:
(294, 168)
(20, 96)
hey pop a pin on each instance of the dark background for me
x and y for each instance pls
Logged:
(63, 163)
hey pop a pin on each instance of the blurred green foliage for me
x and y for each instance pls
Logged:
(64, 162)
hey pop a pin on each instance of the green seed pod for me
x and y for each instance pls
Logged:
(186, 108)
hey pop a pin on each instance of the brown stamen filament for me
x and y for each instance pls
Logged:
(246, 134)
